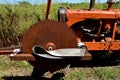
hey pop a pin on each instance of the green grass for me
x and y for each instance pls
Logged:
(19, 70)
(107, 73)
(75, 75)
(10, 68)
(94, 73)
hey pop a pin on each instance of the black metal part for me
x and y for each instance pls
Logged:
(92, 4)
(62, 14)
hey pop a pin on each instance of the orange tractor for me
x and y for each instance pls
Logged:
(77, 35)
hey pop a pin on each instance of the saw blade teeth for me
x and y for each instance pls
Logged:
(48, 31)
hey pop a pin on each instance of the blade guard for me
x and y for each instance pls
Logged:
(59, 53)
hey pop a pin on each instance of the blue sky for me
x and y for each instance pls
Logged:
(43, 1)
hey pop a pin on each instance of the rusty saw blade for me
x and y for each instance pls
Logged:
(50, 35)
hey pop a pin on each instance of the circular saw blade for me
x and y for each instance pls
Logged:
(47, 32)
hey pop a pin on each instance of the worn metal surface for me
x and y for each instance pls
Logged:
(47, 31)
(74, 16)
(92, 3)
(48, 9)
(4, 52)
(9, 50)
(27, 57)
(30, 57)
(64, 53)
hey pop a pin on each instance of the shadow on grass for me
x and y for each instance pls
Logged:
(57, 76)
(17, 78)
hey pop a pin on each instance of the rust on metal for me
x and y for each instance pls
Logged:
(48, 9)
(50, 46)
(3, 52)
(27, 57)
(8, 50)
(30, 57)
(45, 32)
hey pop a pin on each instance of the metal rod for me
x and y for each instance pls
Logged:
(48, 8)
(114, 30)
(9, 50)
(92, 3)
(4, 52)
(113, 37)
(23, 56)
(100, 27)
